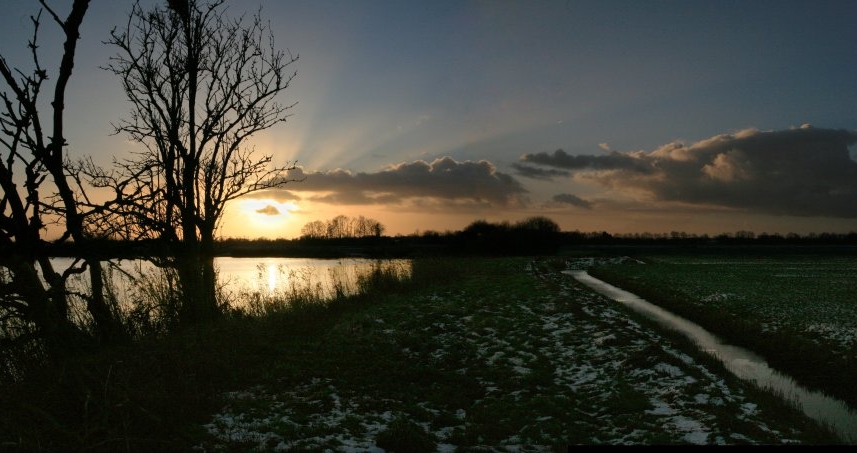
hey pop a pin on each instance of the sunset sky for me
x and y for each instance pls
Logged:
(621, 116)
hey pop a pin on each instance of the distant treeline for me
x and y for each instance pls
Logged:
(345, 236)
(341, 227)
(543, 235)
(738, 237)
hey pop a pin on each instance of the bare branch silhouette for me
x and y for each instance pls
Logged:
(200, 85)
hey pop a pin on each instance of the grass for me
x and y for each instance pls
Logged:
(470, 353)
(798, 311)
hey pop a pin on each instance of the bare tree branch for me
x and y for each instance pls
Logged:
(25, 210)
(200, 85)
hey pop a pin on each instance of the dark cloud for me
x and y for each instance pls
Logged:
(802, 172)
(269, 210)
(613, 160)
(574, 200)
(444, 179)
(528, 171)
(279, 195)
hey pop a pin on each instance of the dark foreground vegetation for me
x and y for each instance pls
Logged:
(152, 394)
(471, 353)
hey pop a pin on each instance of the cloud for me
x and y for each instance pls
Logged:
(539, 173)
(444, 181)
(281, 195)
(804, 171)
(574, 200)
(268, 210)
(611, 161)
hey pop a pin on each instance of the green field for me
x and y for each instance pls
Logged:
(798, 310)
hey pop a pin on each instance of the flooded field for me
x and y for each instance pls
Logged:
(505, 358)
(742, 362)
(814, 292)
(260, 278)
(798, 312)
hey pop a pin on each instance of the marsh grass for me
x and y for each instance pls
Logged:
(143, 396)
(450, 355)
(152, 302)
(307, 291)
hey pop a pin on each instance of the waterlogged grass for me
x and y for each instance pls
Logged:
(799, 311)
(464, 355)
(507, 357)
(307, 289)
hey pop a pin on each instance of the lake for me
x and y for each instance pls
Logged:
(243, 279)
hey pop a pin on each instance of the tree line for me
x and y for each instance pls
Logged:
(199, 84)
(343, 227)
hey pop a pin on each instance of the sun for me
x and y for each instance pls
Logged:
(255, 218)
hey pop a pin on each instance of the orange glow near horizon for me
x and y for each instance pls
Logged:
(254, 218)
(242, 220)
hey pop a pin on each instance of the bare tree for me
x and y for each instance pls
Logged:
(377, 229)
(200, 85)
(314, 230)
(338, 227)
(34, 144)
(342, 227)
(365, 227)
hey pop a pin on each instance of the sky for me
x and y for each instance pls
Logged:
(706, 117)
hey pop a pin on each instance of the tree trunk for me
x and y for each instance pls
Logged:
(108, 326)
(47, 306)
(197, 280)
(209, 277)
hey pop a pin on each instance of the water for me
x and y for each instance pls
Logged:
(277, 276)
(265, 276)
(742, 362)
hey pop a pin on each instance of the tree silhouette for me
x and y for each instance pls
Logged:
(532, 235)
(200, 85)
(37, 150)
(342, 227)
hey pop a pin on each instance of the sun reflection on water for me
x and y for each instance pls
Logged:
(272, 276)
(281, 277)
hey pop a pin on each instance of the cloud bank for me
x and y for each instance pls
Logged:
(444, 180)
(801, 172)
(538, 173)
(573, 200)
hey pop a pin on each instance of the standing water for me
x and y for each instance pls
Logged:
(246, 278)
(742, 362)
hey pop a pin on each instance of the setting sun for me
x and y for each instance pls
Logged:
(252, 217)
